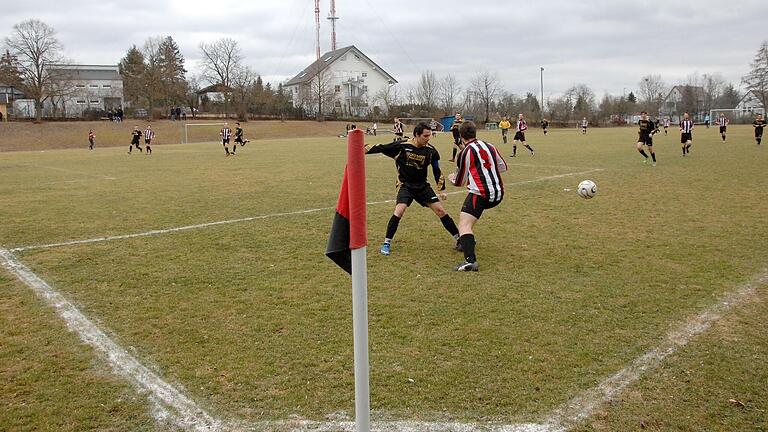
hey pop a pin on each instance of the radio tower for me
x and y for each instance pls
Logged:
(317, 28)
(332, 16)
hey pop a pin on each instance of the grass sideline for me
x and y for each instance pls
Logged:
(255, 322)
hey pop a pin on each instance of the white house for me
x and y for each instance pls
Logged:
(749, 102)
(672, 105)
(76, 88)
(344, 81)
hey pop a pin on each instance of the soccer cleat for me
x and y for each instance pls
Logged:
(533, 153)
(653, 164)
(645, 161)
(385, 249)
(467, 266)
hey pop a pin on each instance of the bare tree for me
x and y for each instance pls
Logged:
(319, 93)
(485, 86)
(756, 80)
(35, 47)
(713, 87)
(426, 90)
(652, 89)
(449, 93)
(389, 96)
(220, 61)
(243, 79)
(62, 88)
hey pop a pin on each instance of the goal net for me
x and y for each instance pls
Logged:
(735, 115)
(201, 132)
(413, 121)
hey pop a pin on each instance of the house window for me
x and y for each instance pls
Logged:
(337, 104)
(80, 85)
(337, 88)
(94, 86)
(81, 101)
(94, 101)
(365, 74)
(107, 86)
(365, 88)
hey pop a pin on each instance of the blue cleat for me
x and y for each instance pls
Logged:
(385, 249)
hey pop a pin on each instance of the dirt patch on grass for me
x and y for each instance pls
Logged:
(25, 136)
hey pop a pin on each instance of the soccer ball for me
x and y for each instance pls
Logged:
(587, 189)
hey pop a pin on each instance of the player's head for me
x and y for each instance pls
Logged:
(722, 115)
(237, 123)
(520, 116)
(422, 133)
(644, 115)
(759, 115)
(149, 127)
(468, 130)
(457, 116)
(685, 115)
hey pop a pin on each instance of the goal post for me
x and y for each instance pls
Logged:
(735, 115)
(200, 132)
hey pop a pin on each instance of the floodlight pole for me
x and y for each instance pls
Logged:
(542, 92)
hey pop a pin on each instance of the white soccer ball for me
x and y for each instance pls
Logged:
(587, 189)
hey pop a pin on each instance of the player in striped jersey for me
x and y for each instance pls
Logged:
(722, 121)
(759, 125)
(686, 133)
(584, 124)
(397, 128)
(479, 167)
(666, 124)
(225, 133)
(149, 134)
(135, 138)
(412, 158)
(522, 126)
(645, 136)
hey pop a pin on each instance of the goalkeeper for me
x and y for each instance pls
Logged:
(412, 158)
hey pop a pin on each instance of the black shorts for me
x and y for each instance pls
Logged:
(519, 136)
(646, 140)
(135, 142)
(225, 141)
(722, 129)
(423, 195)
(685, 137)
(475, 204)
(239, 140)
(504, 132)
(148, 141)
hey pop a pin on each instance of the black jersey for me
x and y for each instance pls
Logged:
(411, 161)
(135, 136)
(647, 127)
(238, 132)
(759, 125)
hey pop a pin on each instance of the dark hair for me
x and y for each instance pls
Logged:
(468, 130)
(420, 128)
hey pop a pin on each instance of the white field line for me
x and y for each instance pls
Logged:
(103, 177)
(584, 405)
(252, 218)
(173, 404)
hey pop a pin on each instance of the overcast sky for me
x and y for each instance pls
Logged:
(608, 45)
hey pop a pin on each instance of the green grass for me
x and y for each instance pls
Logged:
(255, 322)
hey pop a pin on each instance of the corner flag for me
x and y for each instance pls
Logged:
(347, 248)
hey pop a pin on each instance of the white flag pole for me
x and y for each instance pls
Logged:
(360, 325)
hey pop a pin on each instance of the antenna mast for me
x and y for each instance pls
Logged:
(332, 16)
(317, 28)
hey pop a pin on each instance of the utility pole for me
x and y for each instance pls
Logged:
(317, 28)
(542, 92)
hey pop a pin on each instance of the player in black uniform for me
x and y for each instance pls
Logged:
(412, 158)
(759, 125)
(135, 138)
(545, 125)
(645, 137)
(457, 120)
(239, 138)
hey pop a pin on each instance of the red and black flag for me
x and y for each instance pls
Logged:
(349, 230)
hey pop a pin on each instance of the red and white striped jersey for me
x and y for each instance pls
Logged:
(480, 166)
(522, 125)
(723, 121)
(686, 126)
(149, 134)
(225, 133)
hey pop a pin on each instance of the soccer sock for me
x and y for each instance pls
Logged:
(642, 152)
(234, 147)
(529, 148)
(653, 156)
(226, 149)
(394, 222)
(688, 148)
(449, 225)
(758, 140)
(514, 149)
(467, 242)
(684, 150)
(453, 155)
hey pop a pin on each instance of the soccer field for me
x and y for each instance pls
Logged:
(210, 272)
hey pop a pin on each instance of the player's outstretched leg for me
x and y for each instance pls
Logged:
(392, 225)
(529, 148)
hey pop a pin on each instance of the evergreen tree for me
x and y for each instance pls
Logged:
(171, 71)
(132, 69)
(757, 78)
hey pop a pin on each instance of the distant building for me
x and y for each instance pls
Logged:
(214, 93)
(77, 88)
(8, 94)
(344, 81)
(749, 103)
(673, 105)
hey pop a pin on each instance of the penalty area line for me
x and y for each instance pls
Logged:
(253, 218)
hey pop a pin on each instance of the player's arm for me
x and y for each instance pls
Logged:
(459, 178)
(439, 178)
(390, 149)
